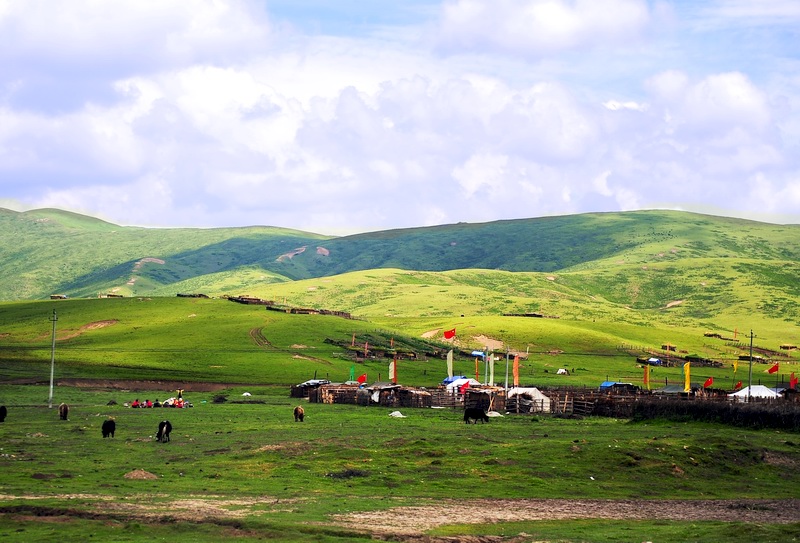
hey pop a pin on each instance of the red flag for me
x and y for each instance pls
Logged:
(362, 379)
(709, 382)
(792, 381)
(450, 334)
(463, 388)
(773, 369)
(738, 385)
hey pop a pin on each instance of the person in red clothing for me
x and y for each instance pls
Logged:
(148, 403)
(136, 403)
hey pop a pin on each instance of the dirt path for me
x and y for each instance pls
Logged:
(409, 523)
(415, 520)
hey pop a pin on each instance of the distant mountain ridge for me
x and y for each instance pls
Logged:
(48, 251)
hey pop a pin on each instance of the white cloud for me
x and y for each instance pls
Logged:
(539, 27)
(202, 117)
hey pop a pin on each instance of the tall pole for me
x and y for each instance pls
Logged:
(486, 366)
(750, 377)
(54, 319)
(506, 385)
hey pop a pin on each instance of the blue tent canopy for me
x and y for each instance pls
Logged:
(449, 380)
(478, 353)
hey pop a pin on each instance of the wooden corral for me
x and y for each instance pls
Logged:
(486, 398)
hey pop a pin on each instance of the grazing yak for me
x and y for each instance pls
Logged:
(164, 429)
(63, 411)
(109, 427)
(3, 413)
(299, 414)
(475, 413)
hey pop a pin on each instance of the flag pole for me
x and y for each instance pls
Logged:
(506, 385)
(54, 319)
(750, 376)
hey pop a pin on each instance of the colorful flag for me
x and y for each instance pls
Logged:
(774, 369)
(516, 371)
(450, 334)
(393, 371)
(687, 380)
(735, 365)
(362, 379)
(450, 363)
(491, 370)
(477, 374)
(647, 376)
(352, 373)
(792, 381)
(709, 382)
(738, 385)
(463, 388)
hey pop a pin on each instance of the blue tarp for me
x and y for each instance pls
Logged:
(449, 380)
(478, 353)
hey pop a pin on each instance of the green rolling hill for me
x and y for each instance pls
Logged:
(609, 285)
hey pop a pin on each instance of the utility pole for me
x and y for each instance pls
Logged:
(750, 377)
(54, 319)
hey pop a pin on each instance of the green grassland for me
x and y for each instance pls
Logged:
(259, 475)
(607, 288)
(214, 340)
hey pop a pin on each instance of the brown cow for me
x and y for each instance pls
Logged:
(299, 414)
(63, 411)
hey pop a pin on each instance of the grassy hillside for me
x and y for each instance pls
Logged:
(49, 251)
(188, 339)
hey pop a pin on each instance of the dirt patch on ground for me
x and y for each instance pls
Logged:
(129, 384)
(493, 344)
(674, 303)
(415, 520)
(140, 474)
(69, 334)
(431, 333)
(409, 523)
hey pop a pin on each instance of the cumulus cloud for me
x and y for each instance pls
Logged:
(202, 117)
(539, 27)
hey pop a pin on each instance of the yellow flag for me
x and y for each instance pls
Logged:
(647, 376)
(735, 365)
(687, 381)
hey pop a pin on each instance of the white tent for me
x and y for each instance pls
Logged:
(532, 395)
(453, 387)
(755, 391)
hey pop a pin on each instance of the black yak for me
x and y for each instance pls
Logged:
(164, 429)
(63, 411)
(475, 413)
(299, 414)
(109, 427)
(3, 413)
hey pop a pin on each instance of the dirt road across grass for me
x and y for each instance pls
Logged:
(409, 523)
(415, 520)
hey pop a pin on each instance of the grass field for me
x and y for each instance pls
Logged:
(246, 472)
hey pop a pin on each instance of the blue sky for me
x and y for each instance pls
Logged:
(349, 116)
